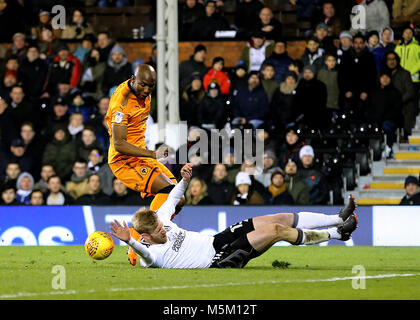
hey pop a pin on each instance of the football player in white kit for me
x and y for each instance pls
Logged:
(165, 245)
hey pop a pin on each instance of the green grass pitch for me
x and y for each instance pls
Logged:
(314, 273)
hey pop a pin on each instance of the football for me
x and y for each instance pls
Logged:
(99, 245)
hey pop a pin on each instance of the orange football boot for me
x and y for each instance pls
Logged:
(132, 256)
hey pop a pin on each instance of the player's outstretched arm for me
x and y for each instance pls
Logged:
(119, 133)
(122, 232)
(168, 207)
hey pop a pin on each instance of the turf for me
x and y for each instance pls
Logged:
(26, 273)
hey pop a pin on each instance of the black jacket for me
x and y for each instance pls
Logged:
(33, 75)
(205, 27)
(97, 199)
(187, 68)
(212, 111)
(413, 200)
(220, 192)
(113, 76)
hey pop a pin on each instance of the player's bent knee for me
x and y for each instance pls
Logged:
(280, 230)
(166, 189)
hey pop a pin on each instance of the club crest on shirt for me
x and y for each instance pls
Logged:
(144, 170)
(119, 116)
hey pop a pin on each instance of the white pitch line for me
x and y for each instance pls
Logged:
(210, 285)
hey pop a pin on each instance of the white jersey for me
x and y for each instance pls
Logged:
(183, 249)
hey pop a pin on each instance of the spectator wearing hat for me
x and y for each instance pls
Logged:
(278, 190)
(346, 42)
(33, 73)
(387, 39)
(289, 148)
(329, 76)
(17, 155)
(246, 15)
(8, 195)
(250, 104)
(206, 26)
(60, 153)
(357, 73)
(219, 189)
(44, 21)
(191, 98)
(279, 59)
(375, 47)
(312, 177)
(9, 81)
(211, 110)
(194, 65)
(189, 12)
(244, 192)
(216, 74)
(401, 79)
(270, 166)
(297, 189)
(326, 40)
(85, 47)
(24, 186)
(256, 51)
(412, 189)
(238, 77)
(270, 26)
(283, 102)
(78, 28)
(66, 68)
(384, 107)
(267, 80)
(404, 10)
(311, 99)
(330, 19)
(18, 47)
(314, 55)
(117, 70)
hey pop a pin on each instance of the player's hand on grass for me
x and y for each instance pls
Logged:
(186, 171)
(119, 231)
(161, 152)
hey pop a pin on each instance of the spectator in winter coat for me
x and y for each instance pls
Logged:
(117, 70)
(194, 65)
(217, 74)
(250, 105)
(46, 172)
(20, 109)
(346, 42)
(94, 194)
(256, 51)
(246, 15)
(78, 27)
(87, 143)
(377, 50)
(311, 100)
(8, 195)
(76, 127)
(105, 45)
(387, 39)
(219, 189)
(238, 78)
(269, 25)
(189, 12)
(401, 79)
(55, 195)
(268, 82)
(206, 27)
(270, 166)
(77, 186)
(412, 189)
(312, 177)
(384, 107)
(326, 41)
(92, 74)
(17, 155)
(330, 19)
(283, 102)
(280, 60)
(48, 44)
(24, 186)
(329, 76)
(244, 193)
(290, 148)
(191, 98)
(278, 190)
(409, 51)
(357, 73)
(297, 189)
(314, 55)
(33, 73)
(60, 153)
(64, 68)
(211, 110)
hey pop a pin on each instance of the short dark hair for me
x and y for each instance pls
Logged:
(94, 174)
(52, 177)
(80, 160)
(359, 35)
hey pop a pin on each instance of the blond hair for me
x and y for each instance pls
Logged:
(144, 221)
(195, 200)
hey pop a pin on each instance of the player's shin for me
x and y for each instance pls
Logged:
(158, 200)
(311, 220)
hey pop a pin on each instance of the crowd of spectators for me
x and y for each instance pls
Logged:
(53, 100)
